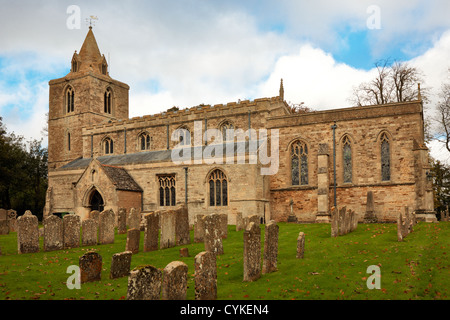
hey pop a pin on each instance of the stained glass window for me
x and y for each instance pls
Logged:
(347, 160)
(218, 189)
(385, 158)
(299, 163)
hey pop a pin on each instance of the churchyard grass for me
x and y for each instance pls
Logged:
(332, 268)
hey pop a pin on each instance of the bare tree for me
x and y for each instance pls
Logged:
(443, 117)
(396, 82)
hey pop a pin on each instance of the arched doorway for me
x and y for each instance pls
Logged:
(96, 201)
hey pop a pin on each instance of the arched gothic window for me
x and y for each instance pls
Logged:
(144, 141)
(167, 192)
(227, 130)
(385, 158)
(70, 97)
(299, 163)
(218, 188)
(108, 101)
(347, 159)
(68, 141)
(108, 146)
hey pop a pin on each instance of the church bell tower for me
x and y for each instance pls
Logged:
(86, 96)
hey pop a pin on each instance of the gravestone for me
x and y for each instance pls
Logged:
(174, 284)
(94, 214)
(151, 233)
(168, 220)
(270, 247)
(239, 222)
(334, 222)
(144, 283)
(223, 225)
(369, 216)
(134, 219)
(90, 267)
(184, 252)
(120, 264)
(182, 226)
(252, 218)
(133, 239)
(199, 228)
(89, 228)
(205, 276)
(27, 233)
(122, 221)
(12, 219)
(212, 235)
(53, 233)
(300, 245)
(4, 224)
(399, 227)
(252, 252)
(71, 230)
(106, 227)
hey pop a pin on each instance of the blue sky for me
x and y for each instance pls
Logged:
(188, 52)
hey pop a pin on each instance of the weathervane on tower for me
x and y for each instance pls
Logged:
(91, 20)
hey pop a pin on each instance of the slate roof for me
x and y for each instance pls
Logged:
(156, 156)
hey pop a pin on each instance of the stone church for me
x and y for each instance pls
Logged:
(100, 159)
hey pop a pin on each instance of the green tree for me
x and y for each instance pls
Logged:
(441, 185)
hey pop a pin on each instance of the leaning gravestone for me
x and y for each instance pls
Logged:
(144, 283)
(53, 233)
(71, 229)
(106, 226)
(90, 267)
(27, 233)
(151, 232)
(300, 245)
(334, 222)
(252, 252)
(212, 235)
(174, 284)
(122, 221)
(270, 247)
(120, 264)
(133, 239)
(182, 234)
(168, 220)
(89, 229)
(205, 276)
(239, 222)
(199, 228)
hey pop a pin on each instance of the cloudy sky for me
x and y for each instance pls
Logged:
(188, 52)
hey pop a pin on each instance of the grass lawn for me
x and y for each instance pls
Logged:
(332, 269)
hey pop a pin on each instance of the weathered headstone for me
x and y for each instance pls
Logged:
(53, 233)
(168, 220)
(27, 233)
(252, 252)
(212, 235)
(223, 225)
(144, 283)
(106, 227)
(270, 247)
(252, 218)
(334, 222)
(71, 230)
(184, 252)
(122, 221)
(399, 227)
(174, 284)
(90, 267)
(205, 277)
(4, 227)
(94, 214)
(369, 216)
(134, 219)
(133, 239)
(89, 228)
(300, 245)
(3, 214)
(239, 222)
(199, 228)
(12, 219)
(182, 234)
(120, 264)
(151, 233)
(342, 230)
